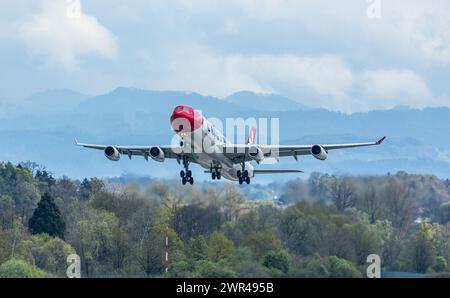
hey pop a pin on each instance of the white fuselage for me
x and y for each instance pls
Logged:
(207, 154)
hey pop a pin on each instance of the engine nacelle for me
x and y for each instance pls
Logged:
(112, 153)
(318, 152)
(255, 153)
(157, 154)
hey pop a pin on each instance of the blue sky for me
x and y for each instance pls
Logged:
(355, 55)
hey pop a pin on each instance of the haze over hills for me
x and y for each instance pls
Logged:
(42, 128)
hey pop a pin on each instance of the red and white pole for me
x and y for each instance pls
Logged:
(167, 253)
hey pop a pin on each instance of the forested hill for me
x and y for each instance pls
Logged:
(41, 128)
(323, 227)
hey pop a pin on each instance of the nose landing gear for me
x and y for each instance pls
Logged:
(186, 175)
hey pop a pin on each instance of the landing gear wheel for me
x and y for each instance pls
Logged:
(213, 176)
(239, 174)
(247, 180)
(218, 175)
(182, 174)
(241, 180)
(245, 174)
(184, 180)
(188, 174)
(191, 180)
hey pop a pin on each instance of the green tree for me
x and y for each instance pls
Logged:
(444, 213)
(19, 269)
(297, 231)
(220, 246)
(439, 264)
(197, 249)
(262, 242)
(362, 242)
(91, 233)
(47, 218)
(421, 250)
(208, 269)
(47, 253)
(339, 268)
(278, 260)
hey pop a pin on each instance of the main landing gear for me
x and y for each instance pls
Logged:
(215, 174)
(186, 174)
(243, 175)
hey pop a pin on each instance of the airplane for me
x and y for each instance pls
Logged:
(223, 159)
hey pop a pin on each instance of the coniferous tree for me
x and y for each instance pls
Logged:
(47, 218)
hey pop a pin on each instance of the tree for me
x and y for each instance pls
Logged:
(342, 193)
(400, 207)
(278, 260)
(220, 246)
(208, 269)
(329, 267)
(89, 187)
(444, 213)
(262, 242)
(47, 218)
(362, 242)
(297, 231)
(91, 233)
(339, 268)
(197, 249)
(192, 220)
(420, 249)
(47, 253)
(19, 269)
(439, 264)
(371, 203)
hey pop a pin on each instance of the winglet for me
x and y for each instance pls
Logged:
(75, 141)
(380, 140)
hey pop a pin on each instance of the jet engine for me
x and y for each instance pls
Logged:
(318, 152)
(157, 154)
(255, 153)
(112, 153)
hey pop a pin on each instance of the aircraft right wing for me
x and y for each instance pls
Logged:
(134, 150)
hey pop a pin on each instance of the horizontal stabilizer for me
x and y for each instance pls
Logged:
(276, 171)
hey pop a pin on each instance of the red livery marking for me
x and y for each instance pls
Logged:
(252, 136)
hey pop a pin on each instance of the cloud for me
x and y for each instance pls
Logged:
(62, 32)
(387, 88)
(196, 68)
(322, 80)
(320, 53)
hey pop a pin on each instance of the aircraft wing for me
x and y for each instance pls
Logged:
(133, 150)
(237, 153)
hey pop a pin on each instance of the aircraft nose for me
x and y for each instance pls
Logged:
(182, 121)
(185, 121)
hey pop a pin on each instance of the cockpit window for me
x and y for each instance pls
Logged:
(182, 109)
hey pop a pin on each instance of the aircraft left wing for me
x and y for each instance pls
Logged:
(238, 153)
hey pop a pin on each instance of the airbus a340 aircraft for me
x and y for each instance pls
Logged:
(221, 158)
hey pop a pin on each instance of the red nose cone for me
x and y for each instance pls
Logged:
(185, 119)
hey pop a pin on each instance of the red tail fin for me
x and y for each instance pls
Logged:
(252, 136)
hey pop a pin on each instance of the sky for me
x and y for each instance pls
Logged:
(349, 56)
